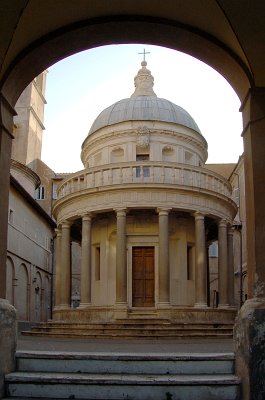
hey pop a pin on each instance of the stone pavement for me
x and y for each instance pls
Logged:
(125, 346)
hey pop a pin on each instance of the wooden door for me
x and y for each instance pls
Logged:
(143, 277)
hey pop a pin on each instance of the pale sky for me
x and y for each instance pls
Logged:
(81, 86)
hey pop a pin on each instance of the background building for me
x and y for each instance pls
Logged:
(30, 251)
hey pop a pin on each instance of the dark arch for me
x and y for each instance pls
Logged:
(96, 32)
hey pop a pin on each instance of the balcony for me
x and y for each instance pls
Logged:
(145, 173)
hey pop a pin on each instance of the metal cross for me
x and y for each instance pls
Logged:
(144, 53)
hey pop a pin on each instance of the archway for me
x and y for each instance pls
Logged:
(121, 29)
(97, 32)
(22, 293)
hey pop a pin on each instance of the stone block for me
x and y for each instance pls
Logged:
(249, 342)
(8, 340)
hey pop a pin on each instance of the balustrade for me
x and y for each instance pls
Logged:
(146, 172)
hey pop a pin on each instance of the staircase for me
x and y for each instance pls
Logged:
(134, 328)
(119, 376)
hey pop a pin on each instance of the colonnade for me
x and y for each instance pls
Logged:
(225, 262)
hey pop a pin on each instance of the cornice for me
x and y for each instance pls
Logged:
(140, 198)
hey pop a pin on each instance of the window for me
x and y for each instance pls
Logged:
(40, 193)
(142, 171)
(190, 262)
(11, 216)
(213, 249)
(97, 263)
(54, 191)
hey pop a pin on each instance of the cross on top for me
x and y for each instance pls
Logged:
(144, 53)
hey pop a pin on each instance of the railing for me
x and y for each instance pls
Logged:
(145, 172)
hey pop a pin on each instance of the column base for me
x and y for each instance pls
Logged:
(163, 304)
(63, 307)
(84, 305)
(121, 310)
(56, 308)
(249, 345)
(223, 306)
(200, 305)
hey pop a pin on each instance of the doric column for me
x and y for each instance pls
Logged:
(200, 262)
(58, 269)
(163, 282)
(230, 276)
(222, 264)
(121, 258)
(6, 127)
(85, 279)
(66, 265)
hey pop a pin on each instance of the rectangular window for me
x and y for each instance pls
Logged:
(97, 263)
(54, 191)
(190, 262)
(40, 193)
(213, 249)
(142, 171)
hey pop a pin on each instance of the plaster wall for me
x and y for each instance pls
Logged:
(29, 235)
(29, 265)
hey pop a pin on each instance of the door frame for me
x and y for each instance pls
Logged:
(142, 241)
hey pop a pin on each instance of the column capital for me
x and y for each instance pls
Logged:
(231, 230)
(163, 210)
(58, 232)
(198, 215)
(65, 224)
(121, 212)
(223, 223)
(87, 216)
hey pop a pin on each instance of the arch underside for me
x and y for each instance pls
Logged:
(96, 32)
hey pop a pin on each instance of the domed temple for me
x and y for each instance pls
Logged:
(144, 210)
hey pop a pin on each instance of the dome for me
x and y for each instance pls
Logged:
(143, 105)
(143, 108)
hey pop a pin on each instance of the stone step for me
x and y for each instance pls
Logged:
(119, 376)
(116, 329)
(132, 329)
(129, 335)
(122, 386)
(130, 363)
(140, 321)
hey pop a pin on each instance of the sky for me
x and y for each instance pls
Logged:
(79, 87)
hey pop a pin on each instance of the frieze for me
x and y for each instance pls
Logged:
(208, 204)
(129, 132)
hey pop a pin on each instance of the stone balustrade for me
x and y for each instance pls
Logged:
(145, 172)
